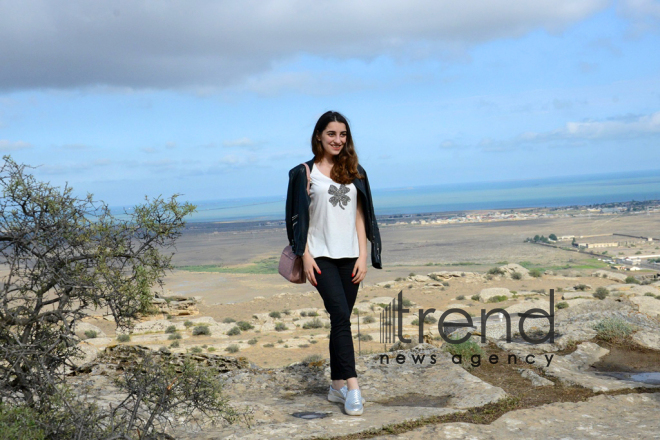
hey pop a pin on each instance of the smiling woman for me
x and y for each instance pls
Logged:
(329, 219)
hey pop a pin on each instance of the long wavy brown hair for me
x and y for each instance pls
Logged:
(345, 168)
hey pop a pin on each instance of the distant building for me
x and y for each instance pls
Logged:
(598, 245)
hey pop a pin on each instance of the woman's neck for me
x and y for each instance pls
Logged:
(327, 161)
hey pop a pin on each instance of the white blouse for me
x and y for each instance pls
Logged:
(332, 214)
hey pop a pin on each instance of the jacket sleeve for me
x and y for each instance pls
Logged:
(297, 210)
(375, 243)
(289, 207)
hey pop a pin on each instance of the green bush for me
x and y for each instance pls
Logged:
(123, 338)
(498, 298)
(411, 274)
(581, 287)
(91, 334)
(234, 331)
(233, 348)
(19, 423)
(201, 330)
(475, 297)
(314, 323)
(613, 329)
(312, 358)
(269, 345)
(464, 349)
(649, 294)
(460, 297)
(407, 303)
(601, 293)
(244, 325)
(631, 280)
(196, 350)
(495, 271)
(445, 283)
(516, 275)
(174, 336)
(364, 337)
(252, 341)
(170, 329)
(228, 320)
(175, 344)
(562, 305)
(303, 313)
(275, 315)
(188, 324)
(286, 312)
(210, 349)
(428, 319)
(312, 313)
(280, 327)
(368, 319)
(536, 273)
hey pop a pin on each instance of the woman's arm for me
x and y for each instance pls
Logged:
(309, 265)
(360, 269)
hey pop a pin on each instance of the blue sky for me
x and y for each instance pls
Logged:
(217, 99)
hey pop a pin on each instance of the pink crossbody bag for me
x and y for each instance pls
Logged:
(291, 265)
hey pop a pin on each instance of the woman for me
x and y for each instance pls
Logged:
(329, 228)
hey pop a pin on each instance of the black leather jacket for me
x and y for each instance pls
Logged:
(297, 211)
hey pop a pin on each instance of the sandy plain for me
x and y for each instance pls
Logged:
(410, 248)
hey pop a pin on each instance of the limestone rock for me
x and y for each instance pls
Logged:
(647, 305)
(647, 339)
(573, 369)
(598, 417)
(609, 275)
(446, 275)
(510, 268)
(82, 327)
(536, 380)
(491, 292)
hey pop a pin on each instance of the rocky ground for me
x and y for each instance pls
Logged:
(574, 386)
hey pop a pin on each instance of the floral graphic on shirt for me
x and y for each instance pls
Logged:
(339, 195)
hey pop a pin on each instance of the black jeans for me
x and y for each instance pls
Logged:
(338, 291)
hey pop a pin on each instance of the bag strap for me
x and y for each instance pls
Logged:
(308, 178)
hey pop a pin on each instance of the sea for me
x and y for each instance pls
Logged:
(546, 192)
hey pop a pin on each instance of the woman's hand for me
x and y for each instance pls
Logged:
(360, 269)
(309, 265)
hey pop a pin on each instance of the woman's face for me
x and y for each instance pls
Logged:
(333, 138)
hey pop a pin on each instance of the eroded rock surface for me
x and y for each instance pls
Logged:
(601, 417)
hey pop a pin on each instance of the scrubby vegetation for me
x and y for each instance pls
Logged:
(314, 323)
(201, 330)
(601, 293)
(613, 330)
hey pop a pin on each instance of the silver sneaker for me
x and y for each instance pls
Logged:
(339, 395)
(353, 405)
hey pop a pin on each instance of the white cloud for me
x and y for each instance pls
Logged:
(643, 14)
(242, 142)
(623, 127)
(205, 44)
(6, 145)
(577, 134)
(149, 150)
